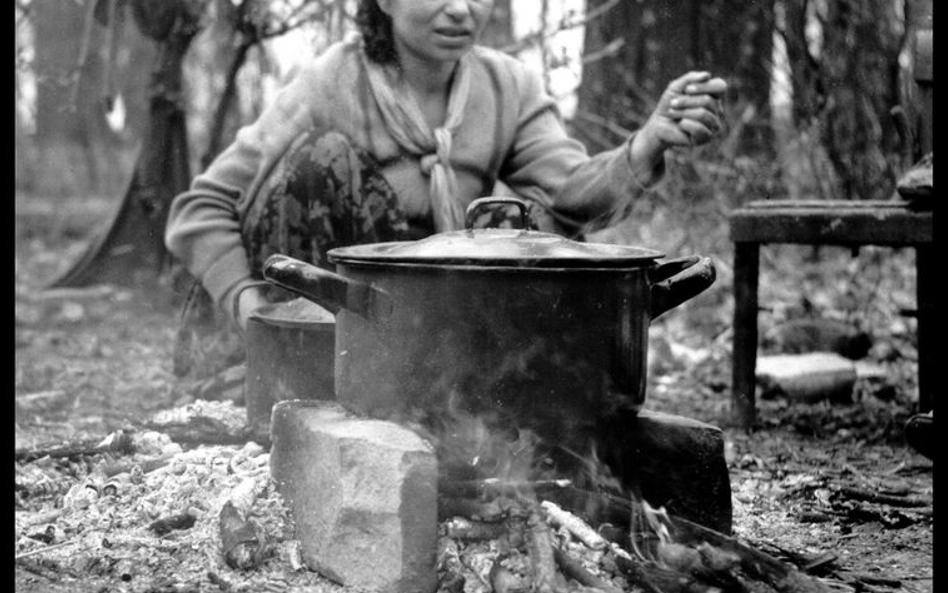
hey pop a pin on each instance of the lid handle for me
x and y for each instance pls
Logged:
(475, 205)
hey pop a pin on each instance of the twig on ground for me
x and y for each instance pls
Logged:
(42, 550)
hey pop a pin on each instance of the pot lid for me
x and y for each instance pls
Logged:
(497, 247)
(298, 313)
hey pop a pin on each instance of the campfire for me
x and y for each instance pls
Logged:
(525, 529)
(506, 518)
(512, 513)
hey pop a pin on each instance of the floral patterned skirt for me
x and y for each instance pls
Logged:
(324, 192)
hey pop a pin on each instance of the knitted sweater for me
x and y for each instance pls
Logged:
(511, 132)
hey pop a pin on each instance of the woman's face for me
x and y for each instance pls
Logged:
(436, 30)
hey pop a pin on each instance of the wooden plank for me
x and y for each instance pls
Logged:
(744, 356)
(791, 205)
(822, 226)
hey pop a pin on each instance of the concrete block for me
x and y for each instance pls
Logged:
(807, 377)
(363, 494)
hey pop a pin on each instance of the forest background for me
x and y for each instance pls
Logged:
(120, 102)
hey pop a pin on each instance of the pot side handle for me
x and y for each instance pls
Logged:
(325, 288)
(679, 280)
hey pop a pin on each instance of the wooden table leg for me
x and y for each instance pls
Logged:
(743, 385)
(925, 299)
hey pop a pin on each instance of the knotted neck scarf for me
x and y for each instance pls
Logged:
(405, 122)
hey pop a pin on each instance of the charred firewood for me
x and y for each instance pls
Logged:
(576, 526)
(505, 581)
(201, 430)
(119, 441)
(754, 565)
(114, 468)
(450, 570)
(240, 543)
(886, 499)
(655, 579)
(613, 533)
(707, 564)
(165, 525)
(540, 548)
(574, 569)
(492, 487)
(860, 578)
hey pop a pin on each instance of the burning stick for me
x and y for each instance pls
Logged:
(540, 549)
(575, 570)
(465, 530)
(490, 487)
(655, 579)
(576, 526)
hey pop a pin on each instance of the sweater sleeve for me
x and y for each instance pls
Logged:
(203, 229)
(549, 167)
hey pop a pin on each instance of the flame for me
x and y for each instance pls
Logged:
(469, 445)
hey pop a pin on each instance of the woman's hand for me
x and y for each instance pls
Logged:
(687, 114)
(248, 300)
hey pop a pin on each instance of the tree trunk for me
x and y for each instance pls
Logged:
(69, 122)
(861, 66)
(132, 252)
(845, 82)
(662, 41)
(499, 30)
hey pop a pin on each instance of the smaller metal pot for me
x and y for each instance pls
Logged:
(290, 355)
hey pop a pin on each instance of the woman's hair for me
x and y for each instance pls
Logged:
(376, 29)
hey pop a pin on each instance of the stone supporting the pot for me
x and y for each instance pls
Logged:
(363, 495)
(674, 462)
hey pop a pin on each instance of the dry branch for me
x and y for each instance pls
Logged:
(655, 579)
(576, 526)
(117, 442)
(540, 548)
(43, 550)
(491, 487)
(565, 24)
(886, 499)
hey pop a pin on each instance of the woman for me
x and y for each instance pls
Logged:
(389, 134)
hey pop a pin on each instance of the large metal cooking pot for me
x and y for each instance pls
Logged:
(524, 328)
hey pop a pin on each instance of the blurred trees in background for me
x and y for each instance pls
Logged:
(812, 83)
(68, 90)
